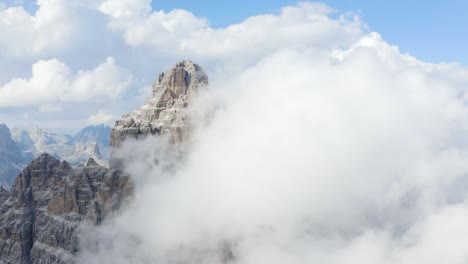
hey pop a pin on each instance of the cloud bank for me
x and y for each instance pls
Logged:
(317, 154)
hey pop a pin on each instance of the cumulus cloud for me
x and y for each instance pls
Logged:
(22, 33)
(81, 34)
(316, 155)
(52, 82)
(179, 31)
(101, 118)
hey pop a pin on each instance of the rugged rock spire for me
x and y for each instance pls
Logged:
(41, 216)
(164, 112)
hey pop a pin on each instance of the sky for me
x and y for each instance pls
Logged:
(81, 41)
(420, 28)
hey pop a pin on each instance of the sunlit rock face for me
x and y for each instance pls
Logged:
(164, 112)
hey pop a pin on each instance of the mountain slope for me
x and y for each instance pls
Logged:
(11, 157)
(99, 134)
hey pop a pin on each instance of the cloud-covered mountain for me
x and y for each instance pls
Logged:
(51, 202)
(329, 144)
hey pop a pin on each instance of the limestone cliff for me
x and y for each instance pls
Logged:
(165, 111)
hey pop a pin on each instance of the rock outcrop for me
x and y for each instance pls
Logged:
(165, 111)
(49, 202)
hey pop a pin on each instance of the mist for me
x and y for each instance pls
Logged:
(355, 155)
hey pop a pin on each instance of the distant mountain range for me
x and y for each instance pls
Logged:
(19, 146)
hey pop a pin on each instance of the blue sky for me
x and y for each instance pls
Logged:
(433, 31)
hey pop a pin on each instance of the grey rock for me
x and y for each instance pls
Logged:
(4, 194)
(91, 162)
(165, 111)
(47, 205)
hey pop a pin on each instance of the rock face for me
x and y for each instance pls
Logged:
(165, 111)
(11, 158)
(49, 202)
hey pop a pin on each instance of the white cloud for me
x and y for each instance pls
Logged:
(180, 32)
(50, 108)
(22, 33)
(126, 8)
(52, 82)
(101, 118)
(360, 159)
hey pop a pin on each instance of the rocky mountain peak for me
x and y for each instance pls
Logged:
(91, 162)
(164, 111)
(184, 78)
(40, 218)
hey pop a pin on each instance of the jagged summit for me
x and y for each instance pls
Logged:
(184, 78)
(164, 111)
(41, 216)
